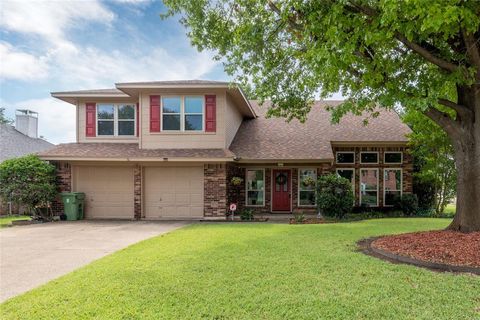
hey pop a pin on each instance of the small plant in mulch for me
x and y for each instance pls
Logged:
(247, 215)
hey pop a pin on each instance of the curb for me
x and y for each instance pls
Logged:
(365, 246)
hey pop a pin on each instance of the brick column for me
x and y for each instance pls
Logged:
(215, 190)
(64, 184)
(137, 192)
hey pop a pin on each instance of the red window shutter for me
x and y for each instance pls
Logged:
(138, 119)
(90, 123)
(154, 113)
(210, 113)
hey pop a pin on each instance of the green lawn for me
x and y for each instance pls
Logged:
(6, 220)
(450, 209)
(255, 271)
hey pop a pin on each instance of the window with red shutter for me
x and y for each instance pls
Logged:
(210, 113)
(154, 113)
(90, 116)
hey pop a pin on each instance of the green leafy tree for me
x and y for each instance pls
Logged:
(334, 196)
(432, 147)
(421, 54)
(3, 117)
(28, 181)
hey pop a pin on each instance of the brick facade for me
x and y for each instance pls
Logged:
(215, 190)
(137, 191)
(64, 183)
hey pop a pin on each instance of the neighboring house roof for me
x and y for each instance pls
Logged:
(129, 151)
(275, 139)
(14, 144)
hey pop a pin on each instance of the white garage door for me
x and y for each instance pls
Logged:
(108, 191)
(173, 192)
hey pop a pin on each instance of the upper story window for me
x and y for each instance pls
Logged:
(346, 157)
(393, 157)
(182, 113)
(115, 119)
(369, 157)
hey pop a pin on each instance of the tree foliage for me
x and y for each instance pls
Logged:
(3, 118)
(28, 181)
(435, 155)
(334, 196)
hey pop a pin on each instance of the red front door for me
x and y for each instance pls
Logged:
(281, 190)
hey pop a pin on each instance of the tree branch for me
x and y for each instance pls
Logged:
(443, 120)
(461, 110)
(473, 50)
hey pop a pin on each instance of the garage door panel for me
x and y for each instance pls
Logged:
(108, 191)
(179, 188)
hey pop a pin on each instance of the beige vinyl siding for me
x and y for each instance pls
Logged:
(173, 192)
(178, 140)
(108, 191)
(81, 121)
(233, 120)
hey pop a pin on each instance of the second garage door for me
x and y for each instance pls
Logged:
(108, 191)
(173, 192)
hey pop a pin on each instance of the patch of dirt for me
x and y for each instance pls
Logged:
(448, 247)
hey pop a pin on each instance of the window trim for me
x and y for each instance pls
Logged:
(246, 188)
(336, 157)
(314, 190)
(182, 114)
(360, 187)
(378, 157)
(401, 157)
(401, 184)
(116, 120)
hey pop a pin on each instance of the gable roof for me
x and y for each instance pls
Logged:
(14, 144)
(275, 139)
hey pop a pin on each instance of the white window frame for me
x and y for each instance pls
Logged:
(401, 157)
(246, 187)
(353, 178)
(360, 186)
(378, 157)
(116, 120)
(314, 190)
(182, 113)
(401, 184)
(341, 163)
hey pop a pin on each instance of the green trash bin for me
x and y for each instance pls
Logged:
(74, 205)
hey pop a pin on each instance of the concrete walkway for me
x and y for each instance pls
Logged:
(35, 254)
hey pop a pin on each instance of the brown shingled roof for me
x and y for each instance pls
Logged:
(127, 151)
(276, 139)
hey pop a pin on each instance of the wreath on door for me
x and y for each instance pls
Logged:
(281, 179)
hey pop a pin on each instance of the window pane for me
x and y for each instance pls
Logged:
(345, 157)
(307, 198)
(105, 111)
(393, 179)
(171, 122)
(369, 157)
(347, 174)
(369, 198)
(308, 179)
(105, 128)
(193, 105)
(126, 128)
(391, 197)
(126, 112)
(171, 105)
(393, 157)
(255, 198)
(255, 180)
(193, 122)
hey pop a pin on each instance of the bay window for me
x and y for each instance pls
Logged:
(345, 157)
(391, 157)
(115, 119)
(392, 186)
(369, 187)
(307, 181)
(255, 187)
(349, 174)
(369, 157)
(182, 113)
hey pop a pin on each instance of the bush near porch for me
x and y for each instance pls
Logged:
(255, 271)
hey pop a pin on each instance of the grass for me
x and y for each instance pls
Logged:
(6, 220)
(450, 209)
(255, 271)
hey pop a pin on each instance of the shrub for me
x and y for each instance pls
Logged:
(246, 215)
(425, 191)
(408, 203)
(299, 217)
(28, 181)
(334, 196)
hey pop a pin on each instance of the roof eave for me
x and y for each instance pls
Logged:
(74, 97)
(137, 159)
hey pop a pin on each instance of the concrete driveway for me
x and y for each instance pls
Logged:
(35, 254)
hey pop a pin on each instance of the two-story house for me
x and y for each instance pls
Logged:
(169, 150)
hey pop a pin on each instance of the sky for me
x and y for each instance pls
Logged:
(63, 45)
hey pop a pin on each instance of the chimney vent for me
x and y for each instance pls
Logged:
(26, 121)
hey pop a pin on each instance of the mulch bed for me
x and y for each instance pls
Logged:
(443, 247)
(308, 221)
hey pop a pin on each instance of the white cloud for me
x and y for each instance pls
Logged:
(56, 119)
(15, 64)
